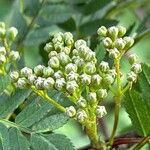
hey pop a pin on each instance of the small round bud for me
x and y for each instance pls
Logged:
(38, 70)
(81, 116)
(131, 77)
(68, 38)
(96, 80)
(112, 73)
(26, 72)
(119, 44)
(121, 31)
(64, 59)
(114, 53)
(12, 33)
(22, 83)
(66, 50)
(104, 66)
(58, 46)
(48, 83)
(108, 79)
(71, 67)
(79, 62)
(102, 93)
(101, 111)
(2, 59)
(60, 83)
(14, 55)
(54, 62)
(72, 76)
(136, 68)
(78, 43)
(49, 47)
(58, 74)
(39, 83)
(75, 52)
(90, 68)
(2, 51)
(91, 56)
(58, 37)
(129, 42)
(113, 32)
(102, 31)
(14, 76)
(92, 98)
(83, 50)
(47, 72)
(132, 59)
(52, 53)
(2, 30)
(82, 102)
(85, 79)
(72, 86)
(70, 111)
(107, 42)
(32, 78)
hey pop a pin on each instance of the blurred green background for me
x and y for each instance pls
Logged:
(35, 19)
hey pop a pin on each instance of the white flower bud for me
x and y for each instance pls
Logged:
(113, 32)
(58, 46)
(122, 31)
(60, 83)
(66, 50)
(85, 79)
(38, 70)
(75, 52)
(82, 102)
(2, 29)
(132, 58)
(70, 111)
(71, 67)
(114, 53)
(58, 74)
(104, 66)
(64, 59)
(26, 72)
(101, 111)
(92, 98)
(107, 42)
(102, 31)
(131, 77)
(102, 93)
(68, 38)
(58, 37)
(39, 83)
(49, 47)
(108, 79)
(72, 86)
(12, 33)
(72, 76)
(22, 83)
(54, 62)
(14, 55)
(136, 68)
(91, 56)
(119, 44)
(112, 72)
(81, 116)
(129, 42)
(52, 53)
(2, 51)
(48, 71)
(2, 59)
(90, 68)
(32, 78)
(79, 62)
(96, 80)
(78, 43)
(83, 50)
(48, 83)
(14, 76)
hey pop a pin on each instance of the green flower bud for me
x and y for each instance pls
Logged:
(66, 50)
(107, 42)
(83, 50)
(75, 52)
(12, 33)
(2, 25)
(79, 62)
(113, 32)
(81, 116)
(38, 70)
(22, 83)
(58, 46)
(71, 67)
(114, 53)
(90, 68)
(121, 31)
(54, 62)
(48, 83)
(14, 55)
(108, 79)
(70, 111)
(132, 59)
(85, 79)
(96, 80)
(2, 59)
(104, 66)
(32, 78)
(136, 68)
(102, 93)
(60, 83)
(52, 53)
(2, 30)
(119, 44)
(58, 37)
(68, 38)
(64, 59)
(49, 47)
(112, 73)
(129, 42)
(14, 76)
(2, 51)
(72, 76)
(101, 111)
(72, 86)
(131, 76)
(39, 83)
(92, 98)
(26, 72)
(78, 43)
(102, 31)
(91, 56)
(47, 72)
(82, 102)
(58, 74)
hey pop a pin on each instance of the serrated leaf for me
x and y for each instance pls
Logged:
(138, 110)
(4, 81)
(9, 104)
(17, 140)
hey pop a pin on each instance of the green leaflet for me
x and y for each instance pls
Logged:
(9, 104)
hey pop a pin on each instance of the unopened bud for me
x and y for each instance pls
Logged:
(32, 78)
(78, 43)
(64, 59)
(108, 79)
(14, 76)
(2, 51)
(12, 33)
(131, 77)
(48, 83)
(90, 68)
(81, 116)
(82, 102)
(70, 111)
(48, 71)
(14, 55)
(66, 50)
(107, 42)
(72, 86)
(129, 42)
(113, 32)
(26, 72)
(114, 53)
(49, 47)
(2, 59)
(22, 83)
(2, 30)
(38, 70)
(58, 74)
(52, 53)
(60, 83)
(39, 83)
(54, 62)
(102, 31)
(104, 66)
(119, 44)
(136, 68)
(72, 76)
(71, 67)
(132, 59)
(85, 79)
(92, 98)
(102, 93)
(101, 111)
(96, 80)
(122, 31)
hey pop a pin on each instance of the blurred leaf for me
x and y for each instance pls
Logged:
(4, 81)
(138, 110)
